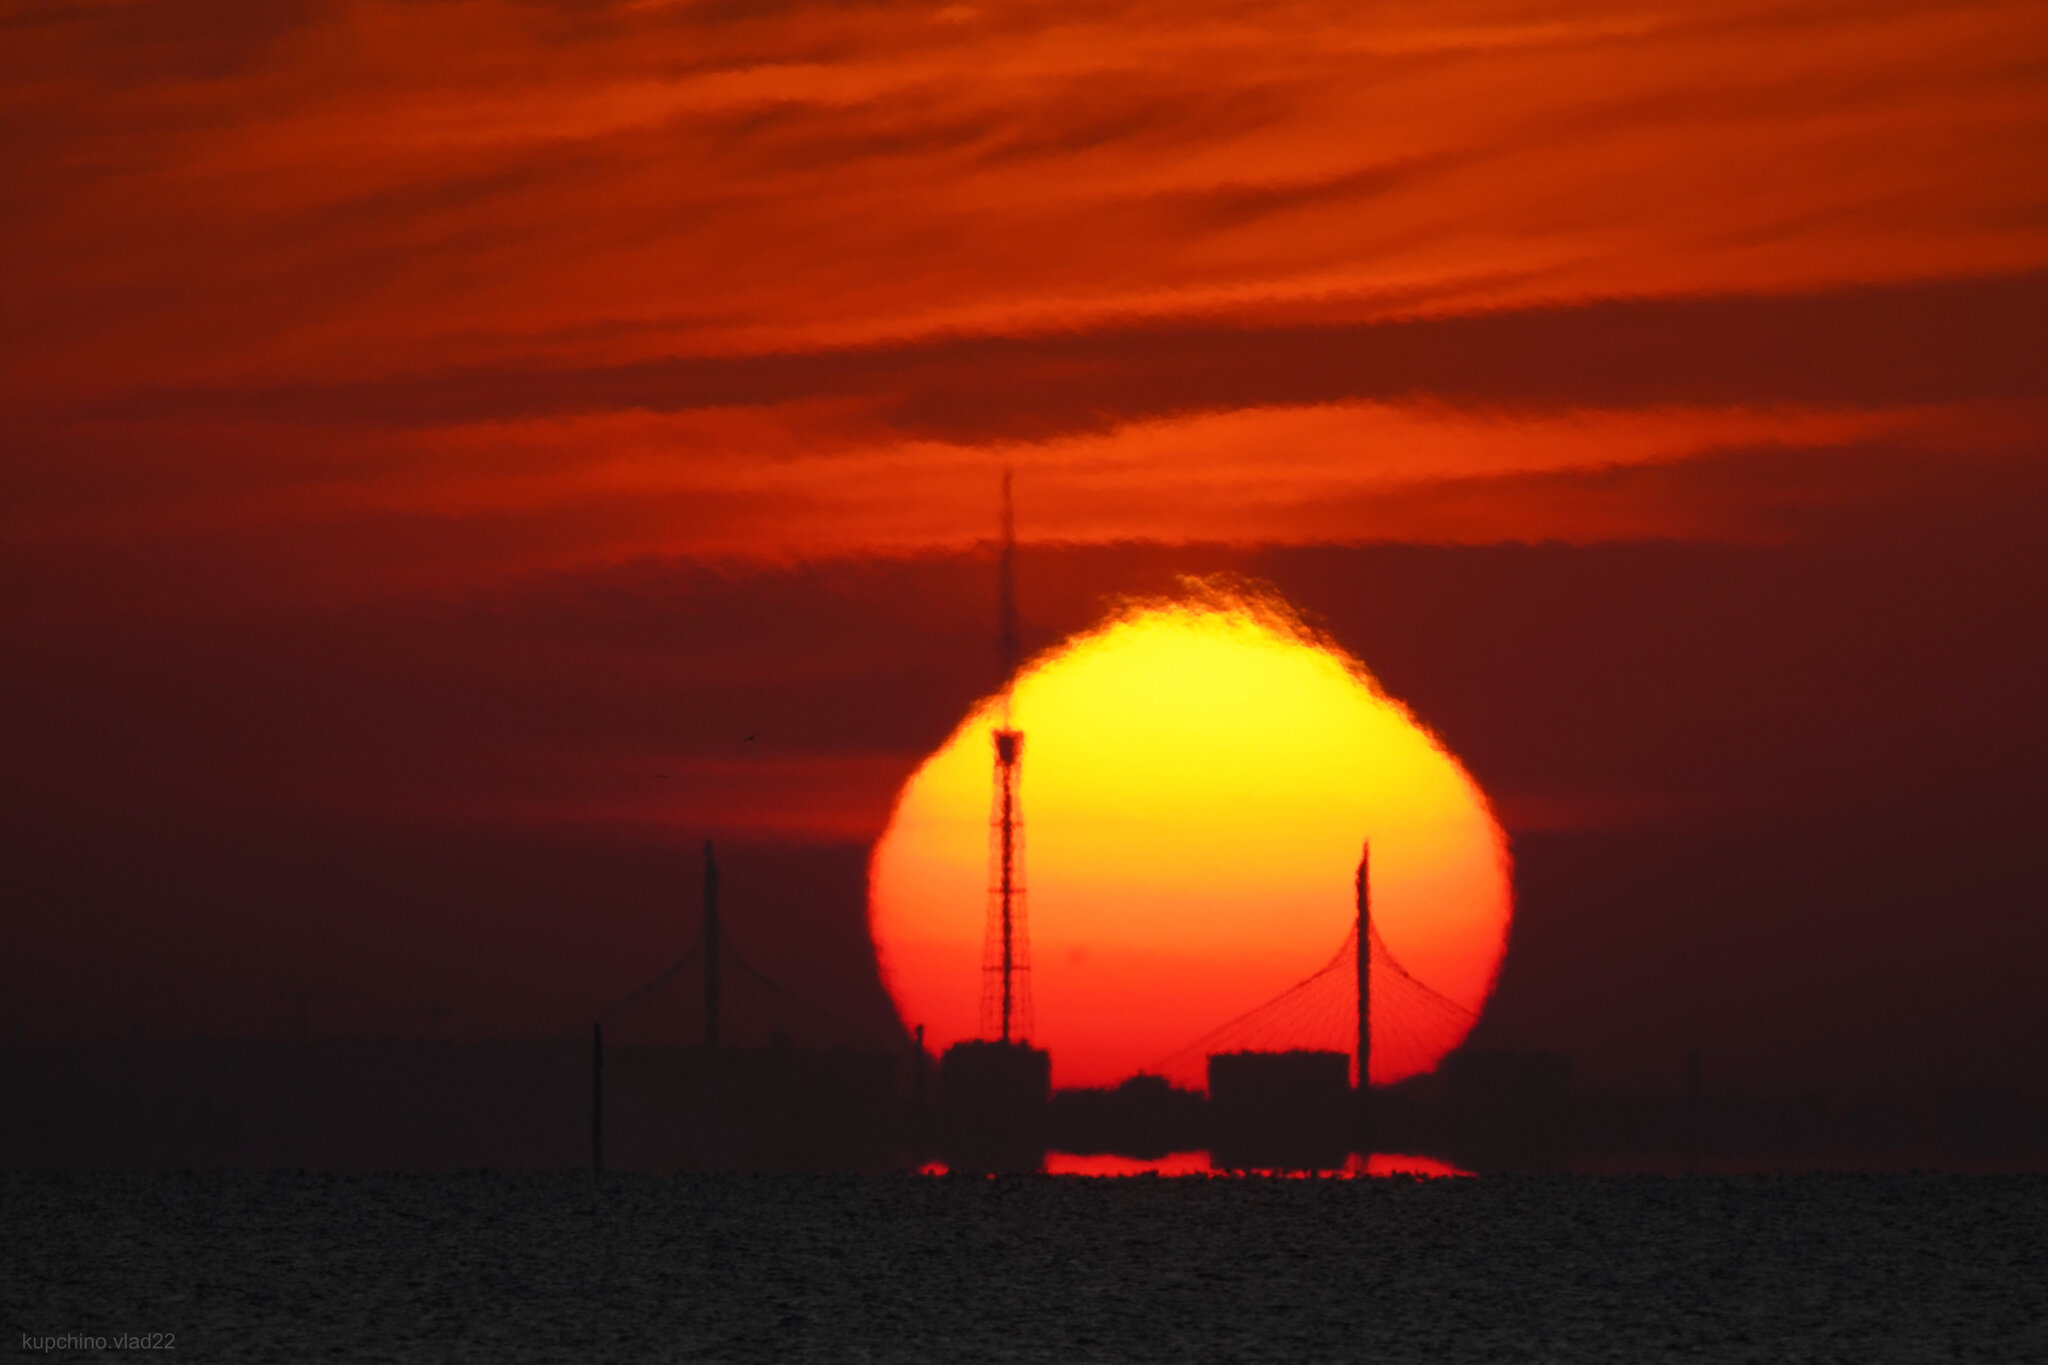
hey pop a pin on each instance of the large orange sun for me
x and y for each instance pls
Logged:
(1197, 780)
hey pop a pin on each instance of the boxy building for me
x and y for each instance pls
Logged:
(1280, 1110)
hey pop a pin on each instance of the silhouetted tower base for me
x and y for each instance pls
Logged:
(995, 1106)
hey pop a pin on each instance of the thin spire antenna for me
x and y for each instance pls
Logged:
(1007, 648)
(1364, 968)
(1006, 957)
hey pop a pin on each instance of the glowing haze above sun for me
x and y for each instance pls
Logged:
(1197, 780)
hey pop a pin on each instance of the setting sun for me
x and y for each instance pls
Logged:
(1197, 779)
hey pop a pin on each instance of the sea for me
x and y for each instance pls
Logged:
(1066, 1268)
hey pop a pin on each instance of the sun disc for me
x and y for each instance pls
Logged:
(1197, 780)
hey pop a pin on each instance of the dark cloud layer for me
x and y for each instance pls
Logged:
(1935, 342)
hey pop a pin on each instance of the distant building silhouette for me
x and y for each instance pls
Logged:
(1280, 1110)
(995, 1106)
(1146, 1117)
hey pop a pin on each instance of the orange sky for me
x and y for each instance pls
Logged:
(470, 289)
(490, 414)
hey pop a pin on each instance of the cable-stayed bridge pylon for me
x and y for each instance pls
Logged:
(710, 996)
(1411, 1023)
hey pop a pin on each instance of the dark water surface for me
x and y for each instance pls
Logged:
(513, 1268)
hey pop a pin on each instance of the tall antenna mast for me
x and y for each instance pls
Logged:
(1006, 601)
(1364, 969)
(1006, 959)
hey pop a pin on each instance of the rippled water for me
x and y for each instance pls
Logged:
(493, 1267)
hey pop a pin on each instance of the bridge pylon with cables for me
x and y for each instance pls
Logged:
(1292, 1080)
(711, 997)
(714, 1065)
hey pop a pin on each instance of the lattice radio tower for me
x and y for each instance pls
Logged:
(1006, 946)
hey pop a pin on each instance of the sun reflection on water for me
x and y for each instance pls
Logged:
(1104, 1164)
